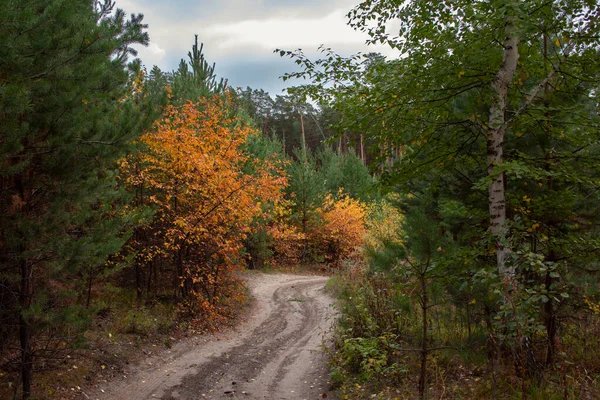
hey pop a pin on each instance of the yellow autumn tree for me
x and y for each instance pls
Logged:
(205, 190)
(342, 231)
(288, 239)
(384, 223)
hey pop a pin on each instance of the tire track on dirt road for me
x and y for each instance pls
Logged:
(276, 354)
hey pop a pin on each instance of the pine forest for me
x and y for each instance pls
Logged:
(448, 190)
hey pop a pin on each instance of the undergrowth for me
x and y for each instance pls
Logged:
(119, 330)
(377, 341)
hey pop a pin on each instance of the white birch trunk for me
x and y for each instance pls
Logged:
(495, 146)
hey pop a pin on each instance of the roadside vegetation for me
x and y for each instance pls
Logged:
(487, 131)
(452, 192)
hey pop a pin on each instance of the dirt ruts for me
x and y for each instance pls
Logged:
(276, 354)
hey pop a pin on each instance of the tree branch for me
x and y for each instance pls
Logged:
(540, 86)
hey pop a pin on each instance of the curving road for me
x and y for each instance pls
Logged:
(277, 353)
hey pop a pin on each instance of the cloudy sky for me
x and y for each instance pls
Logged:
(240, 35)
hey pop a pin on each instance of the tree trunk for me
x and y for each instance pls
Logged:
(302, 128)
(495, 147)
(550, 323)
(138, 282)
(180, 273)
(550, 320)
(89, 288)
(25, 295)
(362, 150)
(424, 305)
(25, 328)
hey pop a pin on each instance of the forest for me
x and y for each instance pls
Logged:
(451, 194)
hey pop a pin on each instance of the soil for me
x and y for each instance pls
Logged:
(279, 352)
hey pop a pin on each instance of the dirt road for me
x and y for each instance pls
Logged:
(276, 354)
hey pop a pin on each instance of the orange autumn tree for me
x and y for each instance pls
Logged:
(342, 230)
(288, 239)
(336, 232)
(205, 190)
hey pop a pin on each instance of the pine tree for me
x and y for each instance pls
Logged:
(307, 188)
(196, 78)
(66, 116)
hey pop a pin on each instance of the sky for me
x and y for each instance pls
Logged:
(240, 35)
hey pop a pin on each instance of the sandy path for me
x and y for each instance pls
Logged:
(276, 354)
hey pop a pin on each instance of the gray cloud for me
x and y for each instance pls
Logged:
(257, 73)
(240, 35)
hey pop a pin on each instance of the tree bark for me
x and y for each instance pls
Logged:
(495, 146)
(25, 328)
(424, 350)
(302, 128)
(362, 150)
(550, 322)
(26, 293)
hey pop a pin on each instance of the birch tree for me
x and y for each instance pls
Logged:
(492, 106)
(465, 71)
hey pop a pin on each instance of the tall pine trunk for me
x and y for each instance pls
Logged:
(25, 292)
(25, 328)
(424, 349)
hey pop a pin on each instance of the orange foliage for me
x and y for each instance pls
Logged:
(343, 230)
(193, 171)
(337, 232)
(288, 240)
